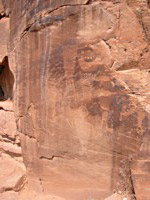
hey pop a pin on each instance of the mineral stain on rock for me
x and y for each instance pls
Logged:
(94, 107)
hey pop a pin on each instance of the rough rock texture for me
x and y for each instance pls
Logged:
(81, 97)
(12, 169)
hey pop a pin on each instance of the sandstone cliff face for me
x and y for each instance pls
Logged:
(81, 98)
(12, 169)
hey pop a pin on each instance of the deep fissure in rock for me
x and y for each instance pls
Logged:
(148, 3)
(6, 81)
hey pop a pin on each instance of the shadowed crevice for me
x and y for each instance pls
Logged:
(6, 81)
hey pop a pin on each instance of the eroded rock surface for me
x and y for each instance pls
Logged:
(81, 96)
(12, 169)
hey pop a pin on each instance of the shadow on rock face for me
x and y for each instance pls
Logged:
(6, 81)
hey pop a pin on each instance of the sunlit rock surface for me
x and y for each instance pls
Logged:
(81, 97)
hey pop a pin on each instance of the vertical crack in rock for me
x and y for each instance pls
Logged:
(143, 15)
(148, 2)
(125, 185)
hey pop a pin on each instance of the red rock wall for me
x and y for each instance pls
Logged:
(12, 169)
(81, 97)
